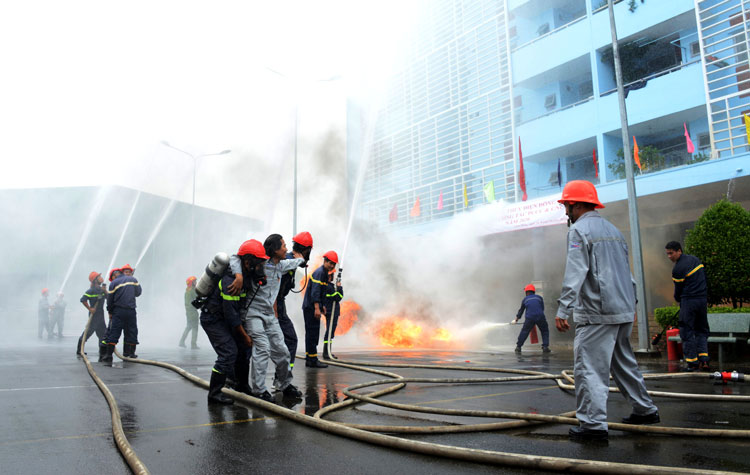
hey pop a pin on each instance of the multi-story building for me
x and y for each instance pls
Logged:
(483, 81)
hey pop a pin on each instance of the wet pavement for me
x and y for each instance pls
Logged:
(55, 420)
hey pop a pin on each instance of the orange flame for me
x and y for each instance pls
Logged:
(400, 332)
(348, 310)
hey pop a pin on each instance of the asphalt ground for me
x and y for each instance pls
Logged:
(55, 420)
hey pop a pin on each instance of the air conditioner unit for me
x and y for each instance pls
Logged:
(543, 29)
(695, 49)
(550, 101)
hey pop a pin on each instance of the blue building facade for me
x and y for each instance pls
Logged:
(482, 80)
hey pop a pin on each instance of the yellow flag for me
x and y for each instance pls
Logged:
(466, 198)
(747, 127)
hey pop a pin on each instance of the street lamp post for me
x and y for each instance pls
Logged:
(192, 208)
(296, 124)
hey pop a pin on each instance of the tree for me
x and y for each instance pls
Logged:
(720, 240)
(651, 160)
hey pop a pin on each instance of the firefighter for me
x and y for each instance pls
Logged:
(57, 316)
(121, 306)
(221, 319)
(93, 299)
(333, 296)
(598, 291)
(263, 326)
(301, 243)
(191, 313)
(690, 292)
(313, 308)
(533, 304)
(43, 316)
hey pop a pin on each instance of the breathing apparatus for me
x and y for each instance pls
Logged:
(210, 277)
(305, 251)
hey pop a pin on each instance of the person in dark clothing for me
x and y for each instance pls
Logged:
(689, 279)
(334, 294)
(533, 305)
(57, 316)
(121, 308)
(43, 315)
(221, 319)
(191, 313)
(93, 299)
(313, 308)
(302, 243)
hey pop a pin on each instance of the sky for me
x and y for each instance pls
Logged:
(90, 89)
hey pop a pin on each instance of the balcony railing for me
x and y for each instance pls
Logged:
(515, 48)
(653, 76)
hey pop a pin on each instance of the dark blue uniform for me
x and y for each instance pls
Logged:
(220, 316)
(315, 293)
(121, 305)
(534, 306)
(287, 327)
(690, 292)
(334, 294)
(95, 297)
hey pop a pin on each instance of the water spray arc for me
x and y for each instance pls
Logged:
(155, 232)
(122, 235)
(101, 196)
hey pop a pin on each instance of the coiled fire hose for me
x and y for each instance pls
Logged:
(534, 462)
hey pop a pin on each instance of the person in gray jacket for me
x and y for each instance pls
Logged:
(262, 324)
(598, 291)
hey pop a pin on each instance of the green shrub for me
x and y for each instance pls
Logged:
(668, 316)
(720, 240)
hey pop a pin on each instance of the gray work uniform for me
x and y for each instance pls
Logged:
(599, 293)
(263, 327)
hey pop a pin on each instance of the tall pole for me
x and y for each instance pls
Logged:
(644, 342)
(296, 120)
(192, 207)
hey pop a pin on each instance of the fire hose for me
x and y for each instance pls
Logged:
(135, 464)
(369, 434)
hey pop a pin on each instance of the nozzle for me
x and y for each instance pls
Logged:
(726, 376)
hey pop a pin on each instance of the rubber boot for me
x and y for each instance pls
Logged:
(108, 351)
(518, 350)
(129, 350)
(78, 347)
(102, 351)
(314, 363)
(325, 352)
(215, 396)
(241, 375)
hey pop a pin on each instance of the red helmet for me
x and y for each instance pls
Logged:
(190, 279)
(580, 191)
(529, 288)
(303, 239)
(111, 273)
(45, 291)
(93, 275)
(254, 248)
(126, 267)
(332, 256)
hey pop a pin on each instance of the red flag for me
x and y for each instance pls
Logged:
(521, 174)
(636, 154)
(415, 211)
(690, 146)
(596, 165)
(393, 215)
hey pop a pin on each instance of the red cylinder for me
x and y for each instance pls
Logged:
(674, 349)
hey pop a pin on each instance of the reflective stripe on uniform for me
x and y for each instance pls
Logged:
(92, 296)
(122, 285)
(689, 273)
(230, 297)
(316, 281)
(312, 356)
(691, 360)
(334, 294)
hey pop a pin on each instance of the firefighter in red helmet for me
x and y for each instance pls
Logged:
(313, 308)
(533, 305)
(221, 319)
(93, 299)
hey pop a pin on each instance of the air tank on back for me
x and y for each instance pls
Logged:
(212, 274)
